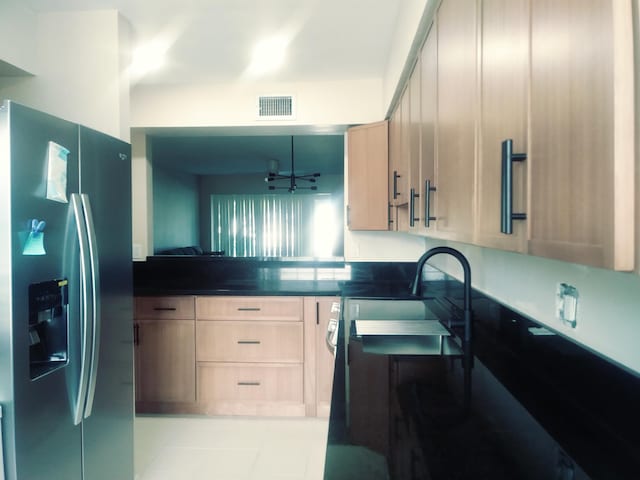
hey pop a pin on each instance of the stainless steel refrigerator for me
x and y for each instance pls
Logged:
(66, 308)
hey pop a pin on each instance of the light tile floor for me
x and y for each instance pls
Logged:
(229, 448)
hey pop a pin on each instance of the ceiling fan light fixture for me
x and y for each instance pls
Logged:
(292, 178)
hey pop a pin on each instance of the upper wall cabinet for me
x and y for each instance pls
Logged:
(367, 202)
(581, 154)
(399, 138)
(414, 154)
(457, 112)
(527, 128)
(428, 120)
(504, 57)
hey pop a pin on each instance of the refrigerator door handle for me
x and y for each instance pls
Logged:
(95, 301)
(86, 326)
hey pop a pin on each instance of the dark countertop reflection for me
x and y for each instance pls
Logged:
(542, 406)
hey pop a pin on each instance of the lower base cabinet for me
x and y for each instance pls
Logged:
(233, 355)
(250, 389)
(164, 338)
(165, 348)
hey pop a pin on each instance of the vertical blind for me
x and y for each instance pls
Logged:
(271, 225)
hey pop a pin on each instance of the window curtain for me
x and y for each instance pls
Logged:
(263, 225)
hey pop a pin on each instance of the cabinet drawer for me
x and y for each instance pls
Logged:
(252, 341)
(165, 308)
(249, 308)
(231, 382)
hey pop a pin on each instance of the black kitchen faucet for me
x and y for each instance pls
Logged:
(416, 290)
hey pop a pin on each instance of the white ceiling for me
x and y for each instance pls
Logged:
(212, 39)
(212, 42)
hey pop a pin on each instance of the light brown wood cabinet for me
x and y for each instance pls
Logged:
(504, 56)
(250, 356)
(414, 152)
(164, 339)
(457, 113)
(233, 355)
(519, 70)
(319, 360)
(368, 154)
(428, 122)
(581, 154)
(399, 127)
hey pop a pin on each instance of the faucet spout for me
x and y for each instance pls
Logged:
(416, 287)
(416, 290)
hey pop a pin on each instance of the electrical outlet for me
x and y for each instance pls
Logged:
(567, 304)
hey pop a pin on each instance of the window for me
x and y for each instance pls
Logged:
(275, 225)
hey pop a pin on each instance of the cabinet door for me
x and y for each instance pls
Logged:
(503, 115)
(318, 359)
(582, 154)
(368, 161)
(399, 148)
(325, 360)
(395, 124)
(457, 58)
(428, 122)
(414, 153)
(165, 361)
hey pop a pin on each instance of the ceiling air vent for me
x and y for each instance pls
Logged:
(275, 107)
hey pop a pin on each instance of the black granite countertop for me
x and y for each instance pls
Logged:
(211, 275)
(542, 406)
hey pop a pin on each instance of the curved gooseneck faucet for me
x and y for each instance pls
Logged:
(416, 290)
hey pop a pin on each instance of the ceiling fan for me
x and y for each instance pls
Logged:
(292, 177)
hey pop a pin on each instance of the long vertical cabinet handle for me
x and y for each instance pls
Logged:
(396, 193)
(412, 207)
(86, 326)
(95, 291)
(427, 203)
(506, 198)
(136, 334)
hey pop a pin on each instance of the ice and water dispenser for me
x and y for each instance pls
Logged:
(48, 326)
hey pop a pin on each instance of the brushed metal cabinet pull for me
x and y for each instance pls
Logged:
(506, 198)
(249, 384)
(165, 309)
(428, 188)
(248, 309)
(412, 207)
(248, 342)
(396, 193)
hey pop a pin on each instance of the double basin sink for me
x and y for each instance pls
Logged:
(408, 326)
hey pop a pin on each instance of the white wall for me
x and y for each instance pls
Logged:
(17, 40)
(409, 16)
(195, 105)
(81, 70)
(142, 196)
(176, 221)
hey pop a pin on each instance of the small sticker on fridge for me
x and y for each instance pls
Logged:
(57, 172)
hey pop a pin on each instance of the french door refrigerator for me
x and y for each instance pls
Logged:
(66, 351)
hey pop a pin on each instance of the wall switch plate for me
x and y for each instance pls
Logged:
(567, 304)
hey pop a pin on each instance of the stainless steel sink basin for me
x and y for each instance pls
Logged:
(398, 327)
(385, 309)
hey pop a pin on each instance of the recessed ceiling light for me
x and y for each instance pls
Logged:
(148, 57)
(268, 55)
